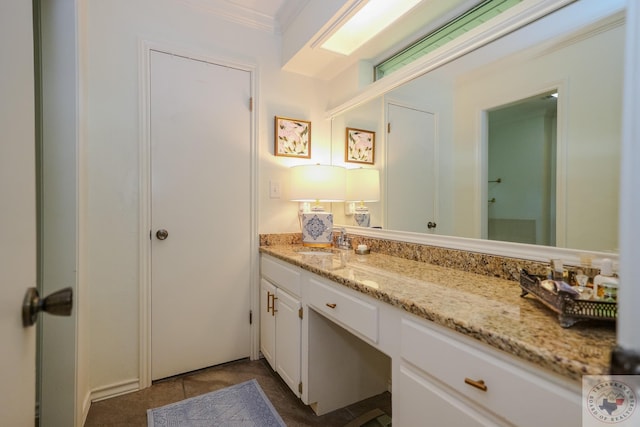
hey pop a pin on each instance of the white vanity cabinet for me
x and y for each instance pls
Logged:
(350, 346)
(457, 381)
(280, 320)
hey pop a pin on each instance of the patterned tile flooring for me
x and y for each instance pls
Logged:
(130, 410)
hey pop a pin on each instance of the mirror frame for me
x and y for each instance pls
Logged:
(518, 16)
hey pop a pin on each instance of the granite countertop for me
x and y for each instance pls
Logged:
(486, 308)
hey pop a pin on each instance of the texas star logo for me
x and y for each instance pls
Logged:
(611, 401)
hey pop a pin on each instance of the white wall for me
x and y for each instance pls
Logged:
(524, 193)
(115, 29)
(368, 116)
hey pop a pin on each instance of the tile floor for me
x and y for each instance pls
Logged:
(130, 410)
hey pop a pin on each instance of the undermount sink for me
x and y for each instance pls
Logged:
(315, 253)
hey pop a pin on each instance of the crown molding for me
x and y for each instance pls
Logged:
(237, 14)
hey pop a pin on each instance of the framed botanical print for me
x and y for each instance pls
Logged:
(292, 137)
(360, 146)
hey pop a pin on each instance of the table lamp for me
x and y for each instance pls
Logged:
(363, 185)
(315, 184)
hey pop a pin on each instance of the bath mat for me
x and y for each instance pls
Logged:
(242, 404)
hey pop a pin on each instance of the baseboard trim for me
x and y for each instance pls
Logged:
(86, 405)
(116, 389)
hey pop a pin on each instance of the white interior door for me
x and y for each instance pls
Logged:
(200, 194)
(411, 170)
(18, 212)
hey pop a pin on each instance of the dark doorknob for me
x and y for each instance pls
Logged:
(58, 303)
(431, 225)
(162, 234)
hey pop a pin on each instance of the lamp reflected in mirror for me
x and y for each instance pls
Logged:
(315, 184)
(363, 185)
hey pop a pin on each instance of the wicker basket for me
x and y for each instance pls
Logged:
(569, 310)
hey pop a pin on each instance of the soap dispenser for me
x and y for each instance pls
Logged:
(605, 284)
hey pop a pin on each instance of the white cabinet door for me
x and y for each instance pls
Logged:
(280, 332)
(267, 323)
(288, 329)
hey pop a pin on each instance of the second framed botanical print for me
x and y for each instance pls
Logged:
(360, 146)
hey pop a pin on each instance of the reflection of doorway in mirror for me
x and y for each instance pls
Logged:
(411, 170)
(522, 171)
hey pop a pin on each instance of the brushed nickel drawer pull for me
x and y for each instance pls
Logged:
(331, 305)
(477, 384)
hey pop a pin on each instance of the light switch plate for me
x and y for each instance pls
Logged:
(274, 189)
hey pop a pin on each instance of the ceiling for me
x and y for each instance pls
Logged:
(277, 15)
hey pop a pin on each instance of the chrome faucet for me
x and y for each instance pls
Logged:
(343, 242)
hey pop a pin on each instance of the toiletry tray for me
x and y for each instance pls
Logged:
(570, 310)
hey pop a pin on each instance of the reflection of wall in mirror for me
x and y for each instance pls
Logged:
(367, 116)
(591, 92)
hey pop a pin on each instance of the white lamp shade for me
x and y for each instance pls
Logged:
(363, 185)
(317, 183)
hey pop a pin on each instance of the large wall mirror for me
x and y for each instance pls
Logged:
(516, 141)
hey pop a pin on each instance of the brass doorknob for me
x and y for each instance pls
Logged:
(162, 234)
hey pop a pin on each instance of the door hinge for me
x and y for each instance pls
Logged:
(300, 387)
(251, 104)
(300, 312)
(389, 127)
(251, 317)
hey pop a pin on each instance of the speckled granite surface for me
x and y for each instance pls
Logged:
(486, 308)
(473, 262)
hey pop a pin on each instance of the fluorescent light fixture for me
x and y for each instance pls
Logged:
(366, 23)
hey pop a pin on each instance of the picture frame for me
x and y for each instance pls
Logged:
(292, 137)
(360, 146)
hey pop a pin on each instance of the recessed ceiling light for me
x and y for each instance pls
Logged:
(366, 23)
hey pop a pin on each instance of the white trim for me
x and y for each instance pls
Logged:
(238, 14)
(115, 389)
(144, 49)
(86, 406)
(629, 236)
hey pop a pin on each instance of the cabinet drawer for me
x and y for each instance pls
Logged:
(512, 392)
(345, 309)
(280, 274)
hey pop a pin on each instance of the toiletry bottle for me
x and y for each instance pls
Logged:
(605, 281)
(558, 271)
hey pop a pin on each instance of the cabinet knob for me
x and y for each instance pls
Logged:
(479, 384)
(332, 305)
